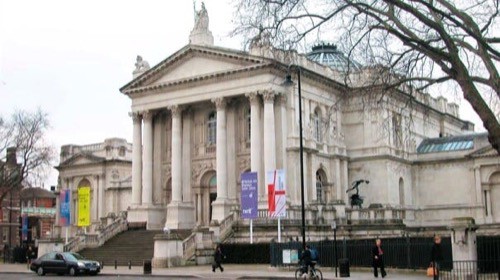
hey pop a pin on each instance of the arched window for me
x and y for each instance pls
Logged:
(212, 128)
(319, 186)
(317, 125)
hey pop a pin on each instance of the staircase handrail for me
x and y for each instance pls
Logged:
(111, 230)
(86, 240)
(72, 244)
(226, 226)
(189, 246)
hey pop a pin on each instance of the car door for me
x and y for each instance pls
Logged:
(48, 262)
(59, 264)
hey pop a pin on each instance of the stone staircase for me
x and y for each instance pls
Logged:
(134, 245)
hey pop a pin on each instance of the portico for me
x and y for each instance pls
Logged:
(196, 151)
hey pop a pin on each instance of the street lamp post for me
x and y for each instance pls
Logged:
(301, 151)
(334, 227)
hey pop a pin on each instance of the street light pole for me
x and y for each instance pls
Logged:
(301, 152)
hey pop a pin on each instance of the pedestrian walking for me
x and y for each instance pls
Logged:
(218, 257)
(378, 259)
(436, 256)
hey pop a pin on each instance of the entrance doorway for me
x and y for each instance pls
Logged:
(206, 196)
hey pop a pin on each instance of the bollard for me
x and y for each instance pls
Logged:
(129, 265)
(115, 264)
(147, 267)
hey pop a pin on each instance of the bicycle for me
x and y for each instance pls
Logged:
(314, 273)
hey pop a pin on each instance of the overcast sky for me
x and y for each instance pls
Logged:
(71, 57)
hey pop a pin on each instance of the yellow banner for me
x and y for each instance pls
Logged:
(83, 206)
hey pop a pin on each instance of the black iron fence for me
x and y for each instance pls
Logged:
(488, 247)
(406, 252)
(477, 270)
(403, 252)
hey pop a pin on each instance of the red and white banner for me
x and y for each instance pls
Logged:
(276, 193)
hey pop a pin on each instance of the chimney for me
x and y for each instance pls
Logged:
(11, 156)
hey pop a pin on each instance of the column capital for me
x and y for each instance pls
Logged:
(176, 110)
(220, 103)
(281, 98)
(268, 95)
(136, 116)
(253, 97)
(148, 115)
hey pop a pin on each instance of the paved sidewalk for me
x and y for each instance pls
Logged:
(231, 271)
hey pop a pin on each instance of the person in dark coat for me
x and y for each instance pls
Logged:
(218, 257)
(436, 256)
(378, 259)
(306, 259)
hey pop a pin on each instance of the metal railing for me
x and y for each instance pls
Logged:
(477, 270)
(403, 252)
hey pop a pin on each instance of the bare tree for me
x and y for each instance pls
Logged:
(24, 133)
(423, 44)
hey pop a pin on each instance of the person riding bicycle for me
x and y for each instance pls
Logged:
(306, 259)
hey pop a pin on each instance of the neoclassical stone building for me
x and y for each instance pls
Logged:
(104, 167)
(206, 114)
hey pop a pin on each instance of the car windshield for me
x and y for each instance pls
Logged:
(73, 257)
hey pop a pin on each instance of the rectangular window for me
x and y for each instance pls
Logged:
(397, 130)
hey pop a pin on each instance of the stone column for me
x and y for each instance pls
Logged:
(269, 132)
(137, 159)
(101, 198)
(147, 159)
(176, 154)
(220, 104)
(95, 205)
(284, 128)
(255, 148)
(198, 209)
(338, 184)
(345, 183)
(220, 207)
(180, 215)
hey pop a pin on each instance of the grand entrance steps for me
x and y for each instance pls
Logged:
(133, 246)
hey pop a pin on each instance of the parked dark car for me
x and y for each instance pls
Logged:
(64, 263)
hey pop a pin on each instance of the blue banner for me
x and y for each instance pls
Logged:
(65, 206)
(24, 227)
(249, 195)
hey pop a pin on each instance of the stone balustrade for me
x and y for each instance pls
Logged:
(85, 240)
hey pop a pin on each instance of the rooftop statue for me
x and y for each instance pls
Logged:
(141, 65)
(201, 18)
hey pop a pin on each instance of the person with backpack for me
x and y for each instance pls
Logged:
(306, 259)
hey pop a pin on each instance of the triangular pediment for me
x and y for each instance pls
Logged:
(192, 63)
(81, 159)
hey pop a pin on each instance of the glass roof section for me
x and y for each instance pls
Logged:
(329, 55)
(446, 144)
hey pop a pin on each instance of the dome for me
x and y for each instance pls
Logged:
(330, 56)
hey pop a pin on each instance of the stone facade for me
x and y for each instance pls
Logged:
(206, 114)
(106, 168)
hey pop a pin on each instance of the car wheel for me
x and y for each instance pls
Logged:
(40, 271)
(72, 271)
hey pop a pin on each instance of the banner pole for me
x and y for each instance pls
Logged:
(279, 229)
(66, 233)
(251, 231)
